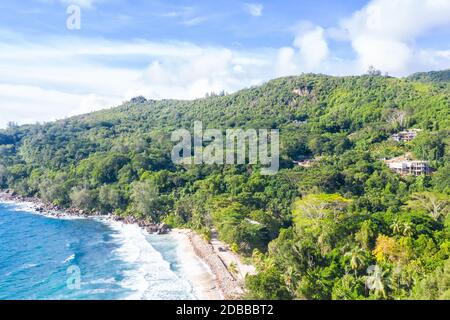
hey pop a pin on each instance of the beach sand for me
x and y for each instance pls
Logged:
(218, 257)
(194, 269)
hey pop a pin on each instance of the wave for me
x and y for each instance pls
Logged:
(69, 258)
(149, 276)
(30, 207)
(135, 269)
(19, 206)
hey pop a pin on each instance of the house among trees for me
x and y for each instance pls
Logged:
(404, 165)
(306, 163)
(299, 122)
(406, 136)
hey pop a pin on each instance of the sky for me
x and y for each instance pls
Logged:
(60, 58)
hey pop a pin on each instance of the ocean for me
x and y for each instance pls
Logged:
(79, 259)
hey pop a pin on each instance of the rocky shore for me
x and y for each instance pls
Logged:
(52, 210)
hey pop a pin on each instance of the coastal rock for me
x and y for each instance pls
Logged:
(163, 228)
(157, 228)
(152, 229)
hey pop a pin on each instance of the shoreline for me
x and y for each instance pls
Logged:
(228, 285)
(199, 274)
(217, 284)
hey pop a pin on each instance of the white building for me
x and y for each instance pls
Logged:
(404, 166)
(406, 136)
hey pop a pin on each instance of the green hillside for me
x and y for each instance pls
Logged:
(314, 232)
(431, 77)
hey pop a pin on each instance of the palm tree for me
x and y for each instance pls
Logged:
(357, 258)
(233, 268)
(376, 281)
(396, 227)
(407, 230)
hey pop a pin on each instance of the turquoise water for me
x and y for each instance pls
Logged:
(47, 258)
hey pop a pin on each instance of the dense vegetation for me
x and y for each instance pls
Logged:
(432, 76)
(345, 228)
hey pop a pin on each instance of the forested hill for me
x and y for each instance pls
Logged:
(432, 77)
(313, 231)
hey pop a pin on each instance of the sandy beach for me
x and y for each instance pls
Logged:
(218, 257)
(203, 280)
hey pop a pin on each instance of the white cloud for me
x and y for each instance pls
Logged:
(383, 33)
(398, 19)
(187, 16)
(389, 55)
(29, 104)
(308, 53)
(286, 64)
(313, 47)
(254, 9)
(195, 21)
(53, 78)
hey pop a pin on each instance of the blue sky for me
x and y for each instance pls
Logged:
(183, 49)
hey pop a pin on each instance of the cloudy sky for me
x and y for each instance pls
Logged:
(183, 49)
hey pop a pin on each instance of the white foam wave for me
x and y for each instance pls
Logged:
(103, 281)
(149, 276)
(69, 258)
(20, 206)
(30, 207)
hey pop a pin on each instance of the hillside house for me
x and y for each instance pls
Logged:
(405, 166)
(299, 123)
(306, 163)
(406, 136)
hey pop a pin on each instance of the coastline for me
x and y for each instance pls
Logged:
(217, 283)
(229, 286)
(199, 274)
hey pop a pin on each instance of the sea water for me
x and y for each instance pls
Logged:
(70, 258)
